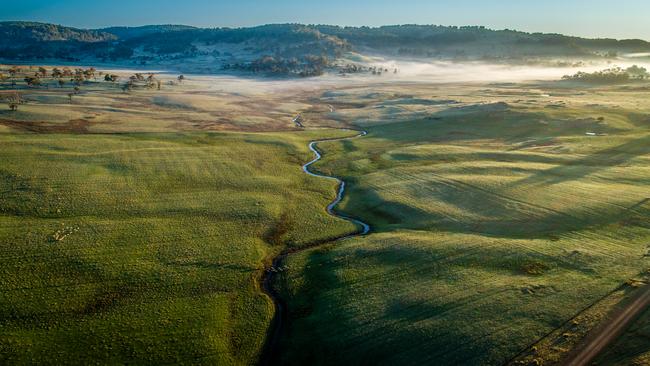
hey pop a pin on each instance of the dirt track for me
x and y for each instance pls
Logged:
(607, 333)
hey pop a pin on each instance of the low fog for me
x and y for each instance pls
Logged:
(408, 71)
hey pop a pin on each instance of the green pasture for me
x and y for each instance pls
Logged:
(493, 224)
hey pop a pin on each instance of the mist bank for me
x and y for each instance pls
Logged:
(409, 73)
(401, 72)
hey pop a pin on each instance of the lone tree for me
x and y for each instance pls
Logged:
(181, 78)
(110, 77)
(12, 72)
(14, 100)
(127, 86)
(76, 90)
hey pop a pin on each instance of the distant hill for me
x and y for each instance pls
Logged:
(132, 32)
(291, 48)
(477, 42)
(23, 33)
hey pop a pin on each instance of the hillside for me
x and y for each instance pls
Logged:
(292, 49)
(477, 42)
(132, 32)
(17, 34)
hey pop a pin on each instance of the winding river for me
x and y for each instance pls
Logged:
(270, 353)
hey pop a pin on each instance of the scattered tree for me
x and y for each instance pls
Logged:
(638, 72)
(608, 76)
(152, 82)
(56, 73)
(79, 77)
(34, 81)
(13, 71)
(90, 73)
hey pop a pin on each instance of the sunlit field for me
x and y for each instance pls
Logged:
(497, 218)
(136, 225)
(136, 237)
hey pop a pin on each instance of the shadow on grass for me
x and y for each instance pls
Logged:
(590, 164)
(331, 322)
(497, 214)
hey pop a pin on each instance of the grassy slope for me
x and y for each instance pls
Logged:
(167, 233)
(494, 224)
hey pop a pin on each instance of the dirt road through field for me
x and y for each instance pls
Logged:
(608, 332)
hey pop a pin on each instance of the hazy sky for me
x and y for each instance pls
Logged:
(593, 18)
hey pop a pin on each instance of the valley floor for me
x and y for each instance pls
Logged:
(135, 227)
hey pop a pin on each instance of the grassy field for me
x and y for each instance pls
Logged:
(134, 237)
(134, 227)
(499, 213)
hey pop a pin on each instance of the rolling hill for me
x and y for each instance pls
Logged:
(292, 49)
